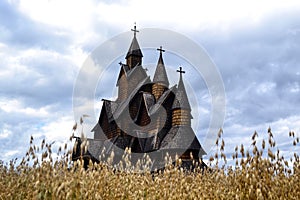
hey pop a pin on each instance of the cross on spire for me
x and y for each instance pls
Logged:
(180, 70)
(134, 29)
(160, 49)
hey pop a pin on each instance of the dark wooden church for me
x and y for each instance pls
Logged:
(148, 116)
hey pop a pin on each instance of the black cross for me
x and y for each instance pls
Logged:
(161, 49)
(120, 63)
(180, 70)
(134, 29)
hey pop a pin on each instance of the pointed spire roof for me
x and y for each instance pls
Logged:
(181, 100)
(160, 75)
(134, 48)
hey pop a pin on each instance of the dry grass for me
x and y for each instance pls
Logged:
(255, 176)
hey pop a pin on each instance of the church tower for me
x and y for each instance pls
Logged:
(133, 59)
(181, 109)
(160, 79)
(181, 135)
(134, 54)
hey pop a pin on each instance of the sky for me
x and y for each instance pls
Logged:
(44, 43)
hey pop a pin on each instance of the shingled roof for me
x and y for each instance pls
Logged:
(181, 137)
(134, 48)
(160, 75)
(110, 107)
(146, 141)
(148, 100)
(181, 100)
(137, 71)
(94, 148)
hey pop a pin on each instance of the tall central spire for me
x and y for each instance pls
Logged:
(134, 54)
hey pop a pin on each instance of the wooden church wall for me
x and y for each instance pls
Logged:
(123, 87)
(132, 61)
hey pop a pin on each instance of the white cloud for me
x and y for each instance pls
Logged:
(188, 14)
(235, 134)
(75, 15)
(265, 87)
(295, 87)
(16, 107)
(10, 154)
(80, 16)
(5, 132)
(57, 130)
(39, 64)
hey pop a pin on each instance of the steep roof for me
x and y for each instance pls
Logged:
(95, 148)
(124, 69)
(148, 100)
(109, 107)
(147, 142)
(160, 75)
(134, 48)
(181, 137)
(161, 100)
(98, 132)
(137, 71)
(126, 102)
(181, 100)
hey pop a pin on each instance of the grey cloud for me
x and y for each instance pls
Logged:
(49, 82)
(18, 29)
(249, 56)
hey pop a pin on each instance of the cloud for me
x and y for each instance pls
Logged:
(38, 77)
(18, 29)
(43, 44)
(259, 67)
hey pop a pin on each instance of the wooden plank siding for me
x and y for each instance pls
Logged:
(157, 90)
(123, 88)
(181, 117)
(132, 61)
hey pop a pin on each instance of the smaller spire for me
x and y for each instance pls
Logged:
(180, 72)
(181, 100)
(160, 75)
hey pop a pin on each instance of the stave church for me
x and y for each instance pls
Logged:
(148, 116)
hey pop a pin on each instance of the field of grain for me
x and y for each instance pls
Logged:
(255, 175)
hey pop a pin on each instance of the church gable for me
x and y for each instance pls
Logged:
(123, 73)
